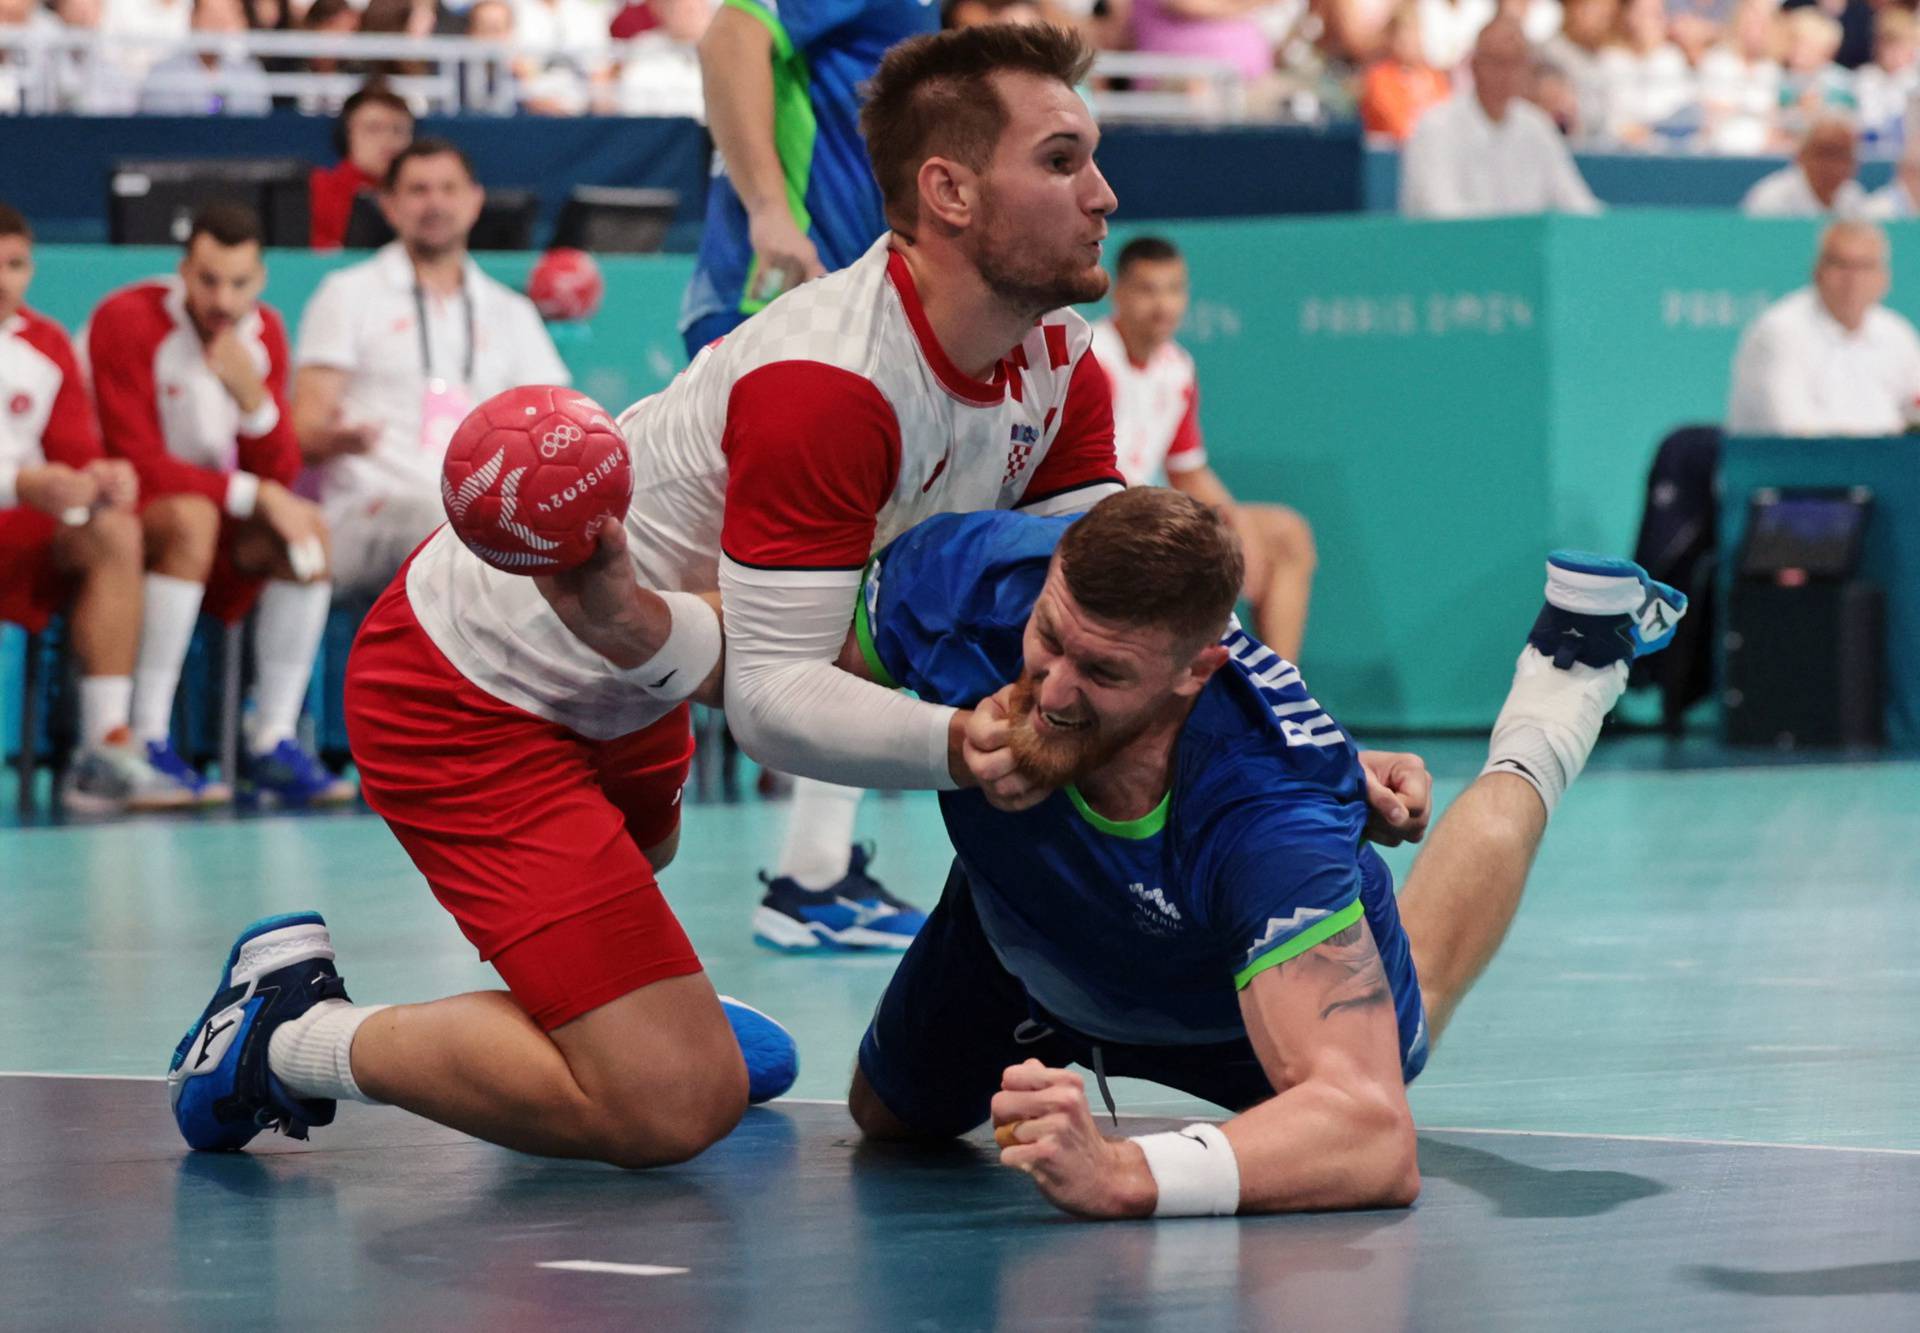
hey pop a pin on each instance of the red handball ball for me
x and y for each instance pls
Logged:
(529, 476)
(566, 284)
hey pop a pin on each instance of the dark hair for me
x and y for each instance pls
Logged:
(13, 222)
(933, 96)
(321, 12)
(1155, 557)
(373, 93)
(1145, 250)
(428, 147)
(228, 223)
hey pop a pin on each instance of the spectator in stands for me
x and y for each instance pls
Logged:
(68, 537)
(1401, 86)
(208, 83)
(571, 48)
(1830, 359)
(1696, 26)
(398, 18)
(1223, 30)
(1553, 92)
(1577, 50)
(102, 81)
(972, 13)
(1449, 27)
(1156, 433)
(1485, 150)
(1885, 86)
(1740, 82)
(339, 18)
(1811, 84)
(492, 21)
(1899, 198)
(372, 128)
(660, 69)
(1648, 79)
(393, 352)
(1819, 182)
(190, 380)
(154, 24)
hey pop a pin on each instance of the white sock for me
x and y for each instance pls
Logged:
(287, 631)
(819, 833)
(313, 1054)
(106, 702)
(1551, 720)
(166, 629)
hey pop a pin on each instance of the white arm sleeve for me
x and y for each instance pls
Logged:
(793, 710)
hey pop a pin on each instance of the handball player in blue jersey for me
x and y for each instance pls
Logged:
(1190, 896)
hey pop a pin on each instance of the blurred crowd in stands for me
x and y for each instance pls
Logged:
(1730, 76)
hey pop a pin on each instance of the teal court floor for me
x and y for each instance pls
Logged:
(1687, 1095)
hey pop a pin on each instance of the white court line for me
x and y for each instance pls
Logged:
(1133, 1115)
(598, 1266)
(1661, 1138)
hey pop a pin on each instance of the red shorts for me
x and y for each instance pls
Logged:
(529, 833)
(33, 588)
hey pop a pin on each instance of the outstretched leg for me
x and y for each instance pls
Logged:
(1465, 886)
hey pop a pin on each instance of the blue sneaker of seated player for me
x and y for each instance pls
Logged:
(222, 1091)
(290, 777)
(1602, 610)
(169, 763)
(857, 913)
(773, 1058)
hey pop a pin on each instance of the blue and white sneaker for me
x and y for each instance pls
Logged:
(170, 764)
(1601, 610)
(222, 1091)
(855, 914)
(290, 776)
(773, 1058)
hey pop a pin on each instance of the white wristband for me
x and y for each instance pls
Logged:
(261, 420)
(243, 492)
(1194, 1170)
(691, 649)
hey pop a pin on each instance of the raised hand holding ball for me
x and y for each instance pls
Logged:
(531, 474)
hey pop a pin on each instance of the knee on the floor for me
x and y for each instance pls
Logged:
(676, 1125)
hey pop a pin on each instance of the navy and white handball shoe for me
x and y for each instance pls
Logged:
(857, 913)
(222, 1091)
(1601, 610)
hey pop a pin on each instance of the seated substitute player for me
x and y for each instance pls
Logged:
(69, 538)
(526, 739)
(1197, 906)
(190, 376)
(1156, 435)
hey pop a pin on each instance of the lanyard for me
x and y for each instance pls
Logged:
(426, 350)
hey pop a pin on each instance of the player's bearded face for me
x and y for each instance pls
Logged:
(1031, 264)
(1054, 756)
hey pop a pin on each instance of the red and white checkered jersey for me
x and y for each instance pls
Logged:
(44, 412)
(1156, 409)
(793, 448)
(163, 408)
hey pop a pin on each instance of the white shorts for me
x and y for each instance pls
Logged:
(372, 539)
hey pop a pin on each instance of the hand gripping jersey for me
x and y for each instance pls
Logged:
(1141, 932)
(821, 429)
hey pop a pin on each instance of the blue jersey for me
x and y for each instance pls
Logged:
(823, 50)
(1144, 931)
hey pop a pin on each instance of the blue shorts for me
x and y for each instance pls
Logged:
(954, 1018)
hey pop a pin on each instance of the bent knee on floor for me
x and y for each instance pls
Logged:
(675, 1129)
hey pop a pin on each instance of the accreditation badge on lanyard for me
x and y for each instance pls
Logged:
(444, 403)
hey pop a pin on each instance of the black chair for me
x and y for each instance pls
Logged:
(1679, 545)
(612, 221)
(151, 201)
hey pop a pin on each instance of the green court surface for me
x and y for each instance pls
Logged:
(1683, 1097)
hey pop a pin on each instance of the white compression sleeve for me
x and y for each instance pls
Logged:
(793, 710)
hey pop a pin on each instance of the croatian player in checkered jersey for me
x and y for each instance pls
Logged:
(526, 739)
(1187, 894)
